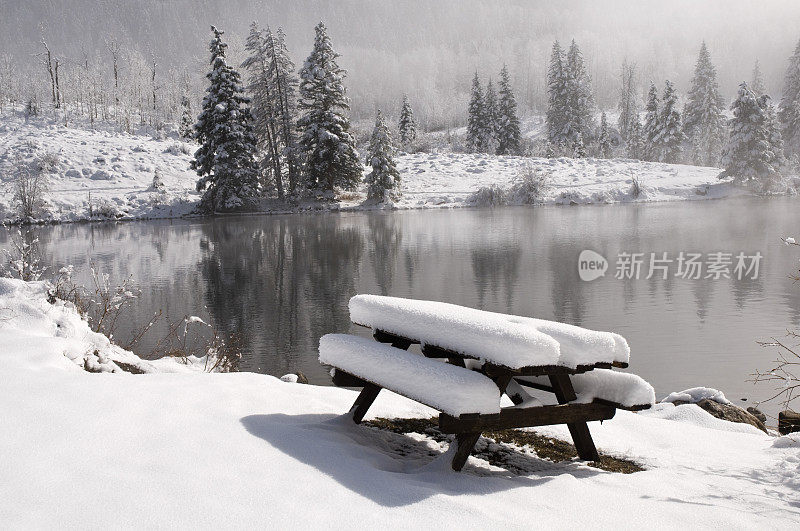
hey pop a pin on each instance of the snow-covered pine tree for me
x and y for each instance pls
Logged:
(757, 82)
(580, 101)
(383, 182)
(262, 106)
(604, 139)
(476, 119)
(328, 148)
(628, 105)
(651, 128)
(578, 146)
(703, 120)
(283, 84)
(226, 159)
(186, 126)
(407, 124)
(635, 143)
(789, 107)
(557, 98)
(670, 132)
(508, 132)
(490, 117)
(753, 152)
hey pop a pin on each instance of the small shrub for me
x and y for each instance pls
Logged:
(23, 258)
(491, 196)
(531, 186)
(30, 186)
(636, 187)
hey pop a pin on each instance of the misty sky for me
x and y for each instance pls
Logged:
(431, 49)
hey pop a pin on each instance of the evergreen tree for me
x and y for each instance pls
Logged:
(670, 132)
(753, 152)
(476, 119)
(757, 83)
(186, 127)
(508, 132)
(628, 106)
(579, 101)
(326, 144)
(263, 108)
(557, 97)
(604, 140)
(704, 123)
(490, 117)
(789, 107)
(578, 146)
(407, 125)
(226, 159)
(383, 182)
(283, 86)
(635, 143)
(651, 128)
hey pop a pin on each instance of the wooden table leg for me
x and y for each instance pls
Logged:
(365, 399)
(562, 387)
(465, 442)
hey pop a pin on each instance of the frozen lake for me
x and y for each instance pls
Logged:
(280, 282)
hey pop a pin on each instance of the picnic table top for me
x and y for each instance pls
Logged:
(505, 340)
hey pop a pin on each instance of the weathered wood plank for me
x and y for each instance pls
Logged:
(396, 341)
(363, 401)
(549, 389)
(525, 417)
(581, 437)
(345, 379)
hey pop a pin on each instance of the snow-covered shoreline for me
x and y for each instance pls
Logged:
(124, 450)
(99, 175)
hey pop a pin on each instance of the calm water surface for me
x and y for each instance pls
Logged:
(281, 282)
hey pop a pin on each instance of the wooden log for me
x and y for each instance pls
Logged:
(464, 442)
(581, 437)
(511, 417)
(365, 399)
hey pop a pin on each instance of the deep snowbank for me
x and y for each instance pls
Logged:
(98, 174)
(211, 450)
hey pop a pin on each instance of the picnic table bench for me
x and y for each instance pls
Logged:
(486, 355)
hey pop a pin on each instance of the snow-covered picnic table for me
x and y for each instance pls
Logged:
(487, 355)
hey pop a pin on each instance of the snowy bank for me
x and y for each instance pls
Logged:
(189, 449)
(99, 174)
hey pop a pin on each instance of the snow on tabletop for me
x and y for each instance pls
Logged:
(625, 389)
(696, 394)
(448, 388)
(506, 340)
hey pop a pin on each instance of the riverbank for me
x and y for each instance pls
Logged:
(106, 175)
(93, 450)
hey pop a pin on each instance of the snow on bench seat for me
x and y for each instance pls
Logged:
(506, 340)
(451, 389)
(620, 388)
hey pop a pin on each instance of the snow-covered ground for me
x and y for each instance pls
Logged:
(188, 449)
(105, 174)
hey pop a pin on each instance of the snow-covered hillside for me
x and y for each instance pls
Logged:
(237, 450)
(102, 175)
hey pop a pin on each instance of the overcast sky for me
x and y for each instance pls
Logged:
(431, 49)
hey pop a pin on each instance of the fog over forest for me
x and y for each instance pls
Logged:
(429, 50)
